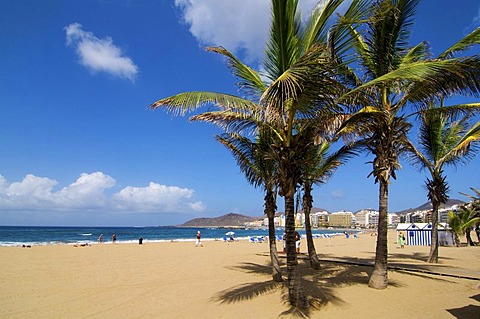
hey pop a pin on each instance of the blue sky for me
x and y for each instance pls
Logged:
(79, 146)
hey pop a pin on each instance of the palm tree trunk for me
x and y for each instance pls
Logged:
(433, 257)
(379, 277)
(457, 239)
(307, 208)
(477, 231)
(270, 208)
(296, 295)
(469, 238)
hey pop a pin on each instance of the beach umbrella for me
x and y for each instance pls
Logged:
(230, 233)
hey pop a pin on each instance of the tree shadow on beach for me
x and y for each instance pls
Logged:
(319, 285)
(467, 312)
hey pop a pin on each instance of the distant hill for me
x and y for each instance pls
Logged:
(428, 206)
(228, 220)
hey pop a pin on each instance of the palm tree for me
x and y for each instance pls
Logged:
(259, 170)
(317, 171)
(443, 141)
(462, 223)
(299, 85)
(475, 204)
(393, 77)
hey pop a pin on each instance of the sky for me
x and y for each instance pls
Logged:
(80, 146)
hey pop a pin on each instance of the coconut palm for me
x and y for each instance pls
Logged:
(260, 171)
(443, 141)
(299, 85)
(317, 171)
(393, 77)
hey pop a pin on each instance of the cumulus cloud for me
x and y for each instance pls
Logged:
(156, 197)
(99, 55)
(88, 192)
(235, 25)
(239, 26)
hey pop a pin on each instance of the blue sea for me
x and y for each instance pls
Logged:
(34, 236)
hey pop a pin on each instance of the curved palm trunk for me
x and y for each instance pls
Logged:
(457, 239)
(433, 256)
(307, 208)
(270, 208)
(477, 231)
(296, 296)
(469, 238)
(379, 277)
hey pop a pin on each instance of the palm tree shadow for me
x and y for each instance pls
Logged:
(318, 285)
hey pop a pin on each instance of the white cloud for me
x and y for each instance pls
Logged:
(88, 192)
(156, 197)
(239, 26)
(99, 55)
(235, 25)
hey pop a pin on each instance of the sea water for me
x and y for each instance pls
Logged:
(23, 235)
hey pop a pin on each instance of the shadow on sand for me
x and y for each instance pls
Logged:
(318, 285)
(335, 272)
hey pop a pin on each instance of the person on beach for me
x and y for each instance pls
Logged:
(297, 241)
(401, 240)
(198, 241)
(100, 238)
(114, 238)
(284, 242)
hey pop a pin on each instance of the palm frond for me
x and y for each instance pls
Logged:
(282, 48)
(183, 103)
(431, 77)
(249, 79)
(468, 41)
(316, 26)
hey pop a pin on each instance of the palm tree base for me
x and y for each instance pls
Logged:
(378, 279)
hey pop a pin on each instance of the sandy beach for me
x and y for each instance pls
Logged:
(232, 280)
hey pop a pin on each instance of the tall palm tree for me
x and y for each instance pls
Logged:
(443, 141)
(393, 77)
(299, 85)
(260, 171)
(317, 171)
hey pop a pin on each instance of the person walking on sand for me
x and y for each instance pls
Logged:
(198, 242)
(401, 240)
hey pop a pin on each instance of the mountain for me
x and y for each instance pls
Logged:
(428, 206)
(228, 220)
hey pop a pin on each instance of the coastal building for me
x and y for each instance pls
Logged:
(393, 219)
(342, 219)
(319, 218)
(367, 218)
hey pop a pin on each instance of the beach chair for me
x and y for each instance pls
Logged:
(251, 239)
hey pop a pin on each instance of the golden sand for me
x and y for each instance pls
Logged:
(229, 280)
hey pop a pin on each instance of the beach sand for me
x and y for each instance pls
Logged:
(229, 280)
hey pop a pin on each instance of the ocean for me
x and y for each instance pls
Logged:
(35, 236)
